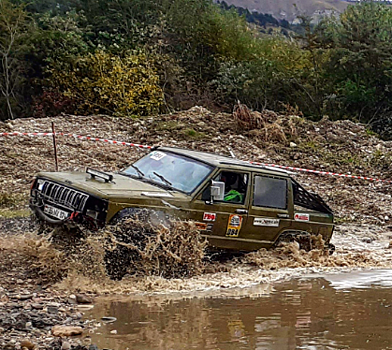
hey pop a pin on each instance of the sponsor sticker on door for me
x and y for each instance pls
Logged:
(209, 217)
(234, 225)
(266, 222)
(301, 217)
(201, 226)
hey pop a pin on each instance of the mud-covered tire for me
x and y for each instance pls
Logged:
(302, 238)
(119, 255)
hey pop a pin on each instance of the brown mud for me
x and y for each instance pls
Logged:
(56, 270)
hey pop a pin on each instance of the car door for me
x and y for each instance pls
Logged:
(269, 211)
(223, 220)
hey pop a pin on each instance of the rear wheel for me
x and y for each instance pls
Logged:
(301, 237)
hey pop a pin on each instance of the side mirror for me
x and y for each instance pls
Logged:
(217, 191)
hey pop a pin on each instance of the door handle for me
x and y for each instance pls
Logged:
(241, 211)
(283, 216)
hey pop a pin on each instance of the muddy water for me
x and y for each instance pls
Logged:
(338, 311)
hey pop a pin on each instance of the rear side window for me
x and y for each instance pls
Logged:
(270, 192)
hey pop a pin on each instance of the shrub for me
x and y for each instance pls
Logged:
(108, 83)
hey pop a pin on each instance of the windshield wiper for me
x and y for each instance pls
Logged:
(141, 174)
(167, 182)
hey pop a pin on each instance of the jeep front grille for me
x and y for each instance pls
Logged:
(64, 196)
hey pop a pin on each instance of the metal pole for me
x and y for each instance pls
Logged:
(55, 147)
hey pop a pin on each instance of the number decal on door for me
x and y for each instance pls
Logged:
(234, 225)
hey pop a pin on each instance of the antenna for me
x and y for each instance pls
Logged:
(231, 153)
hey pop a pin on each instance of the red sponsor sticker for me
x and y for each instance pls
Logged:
(201, 226)
(301, 217)
(209, 217)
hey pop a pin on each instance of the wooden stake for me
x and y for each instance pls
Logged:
(55, 147)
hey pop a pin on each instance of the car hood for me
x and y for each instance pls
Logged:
(121, 186)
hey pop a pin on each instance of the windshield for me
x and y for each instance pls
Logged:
(179, 172)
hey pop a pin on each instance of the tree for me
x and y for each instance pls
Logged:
(14, 23)
(361, 60)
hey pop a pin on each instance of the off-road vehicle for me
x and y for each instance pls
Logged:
(236, 205)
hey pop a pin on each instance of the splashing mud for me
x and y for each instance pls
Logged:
(169, 261)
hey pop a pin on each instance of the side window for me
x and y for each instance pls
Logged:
(235, 186)
(270, 192)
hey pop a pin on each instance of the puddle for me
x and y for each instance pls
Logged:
(335, 311)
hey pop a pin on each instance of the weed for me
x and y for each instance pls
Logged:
(194, 134)
(10, 200)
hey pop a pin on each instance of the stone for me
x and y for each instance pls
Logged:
(66, 331)
(114, 331)
(27, 344)
(85, 307)
(83, 299)
(108, 319)
(293, 144)
(65, 346)
(37, 306)
(52, 310)
(9, 346)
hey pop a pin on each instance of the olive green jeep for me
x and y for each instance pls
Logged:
(235, 204)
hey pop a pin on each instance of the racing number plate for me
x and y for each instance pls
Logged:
(234, 226)
(57, 213)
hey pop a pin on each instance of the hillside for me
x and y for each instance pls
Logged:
(341, 146)
(35, 269)
(290, 9)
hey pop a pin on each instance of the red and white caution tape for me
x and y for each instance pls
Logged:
(321, 172)
(121, 143)
(26, 134)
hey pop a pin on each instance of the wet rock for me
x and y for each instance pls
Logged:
(66, 331)
(53, 310)
(83, 299)
(42, 322)
(27, 344)
(108, 319)
(9, 346)
(65, 346)
(85, 307)
(71, 301)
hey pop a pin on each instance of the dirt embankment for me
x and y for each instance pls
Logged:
(39, 280)
(343, 147)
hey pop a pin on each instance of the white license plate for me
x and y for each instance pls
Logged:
(57, 213)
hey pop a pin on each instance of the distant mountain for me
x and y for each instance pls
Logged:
(290, 9)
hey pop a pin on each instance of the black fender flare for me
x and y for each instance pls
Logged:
(155, 217)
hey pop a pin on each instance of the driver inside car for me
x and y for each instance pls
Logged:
(232, 184)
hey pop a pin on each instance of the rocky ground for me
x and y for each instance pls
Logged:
(34, 299)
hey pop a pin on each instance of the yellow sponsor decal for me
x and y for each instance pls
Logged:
(234, 225)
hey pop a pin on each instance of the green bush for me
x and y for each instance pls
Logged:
(102, 82)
